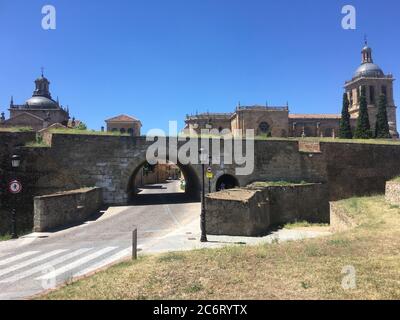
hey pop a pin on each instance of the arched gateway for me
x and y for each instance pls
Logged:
(192, 185)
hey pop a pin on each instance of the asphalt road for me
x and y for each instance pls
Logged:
(39, 262)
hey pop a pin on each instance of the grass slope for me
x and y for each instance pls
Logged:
(308, 269)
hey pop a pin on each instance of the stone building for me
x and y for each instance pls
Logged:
(38, 112)
(124, 124)
(376, 82)
(219, 121)
(278, 122)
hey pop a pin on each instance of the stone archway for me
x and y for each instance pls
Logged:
(226, 181)
(192, 185)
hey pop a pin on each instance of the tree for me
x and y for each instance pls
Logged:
(345, 128)
(363, 128)
(382, 125)
(81, 126)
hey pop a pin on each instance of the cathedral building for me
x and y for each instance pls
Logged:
(279, 122)
(38, 112)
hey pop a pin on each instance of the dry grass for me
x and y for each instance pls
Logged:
(308, 269)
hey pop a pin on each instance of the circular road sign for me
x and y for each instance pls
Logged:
(209, 169)
(15, 186)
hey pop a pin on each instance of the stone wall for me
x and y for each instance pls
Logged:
(65, 208)
(11, 143)
(252, 211)
(359, 169)
(306, 202)
(110, 162)
(392, 194)
(237, 212)
(339, 218)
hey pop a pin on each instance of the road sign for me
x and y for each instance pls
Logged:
(15, 187)
(209, 173)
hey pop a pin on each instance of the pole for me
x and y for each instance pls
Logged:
(209, 180)
(203, 208)
(14, 224)
(134, 244)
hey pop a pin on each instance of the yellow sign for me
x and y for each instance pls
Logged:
(209, 175)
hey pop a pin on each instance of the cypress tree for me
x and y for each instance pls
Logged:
(345, 128)
(363, 128)
(382, 125)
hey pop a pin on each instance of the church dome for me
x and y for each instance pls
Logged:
(38, 102)
(369, 70)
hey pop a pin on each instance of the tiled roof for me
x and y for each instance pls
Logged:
(122, 118)
(314, 116)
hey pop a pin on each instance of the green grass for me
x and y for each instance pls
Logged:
(88, 132)
(261, 184)
(16, 129)
(5, 237)
(36, 144)
(306, 269)
(362, 141)
(304, 224)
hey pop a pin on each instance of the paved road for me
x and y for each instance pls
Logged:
(164, 220)
(39, 261)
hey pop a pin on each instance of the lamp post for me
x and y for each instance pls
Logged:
(203, 158)
(15, 162)
(209, 179)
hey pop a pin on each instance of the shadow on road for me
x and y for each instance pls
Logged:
(162, 198)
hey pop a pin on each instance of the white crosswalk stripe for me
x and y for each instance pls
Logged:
(30, 261)
(76, 264)
(115, 257)
(17, 257)
(38, 269)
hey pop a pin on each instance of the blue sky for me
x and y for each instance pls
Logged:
(159, 60)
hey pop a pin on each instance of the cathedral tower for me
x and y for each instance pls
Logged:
(371, 76)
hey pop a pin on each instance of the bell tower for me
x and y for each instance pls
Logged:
(42, 87)
(370, 76)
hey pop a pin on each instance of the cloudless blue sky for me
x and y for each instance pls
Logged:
(159, 60)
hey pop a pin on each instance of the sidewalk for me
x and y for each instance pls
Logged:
(187, 238)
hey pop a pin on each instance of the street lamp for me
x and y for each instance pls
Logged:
(203, 158)
(15, 162)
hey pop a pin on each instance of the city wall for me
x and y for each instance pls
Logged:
(110, 162)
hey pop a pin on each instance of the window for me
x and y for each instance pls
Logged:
(122, 130)
(372, 94)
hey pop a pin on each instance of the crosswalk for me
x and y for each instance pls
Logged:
(58, 264)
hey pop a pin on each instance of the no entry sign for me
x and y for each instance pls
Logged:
(15, 187)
